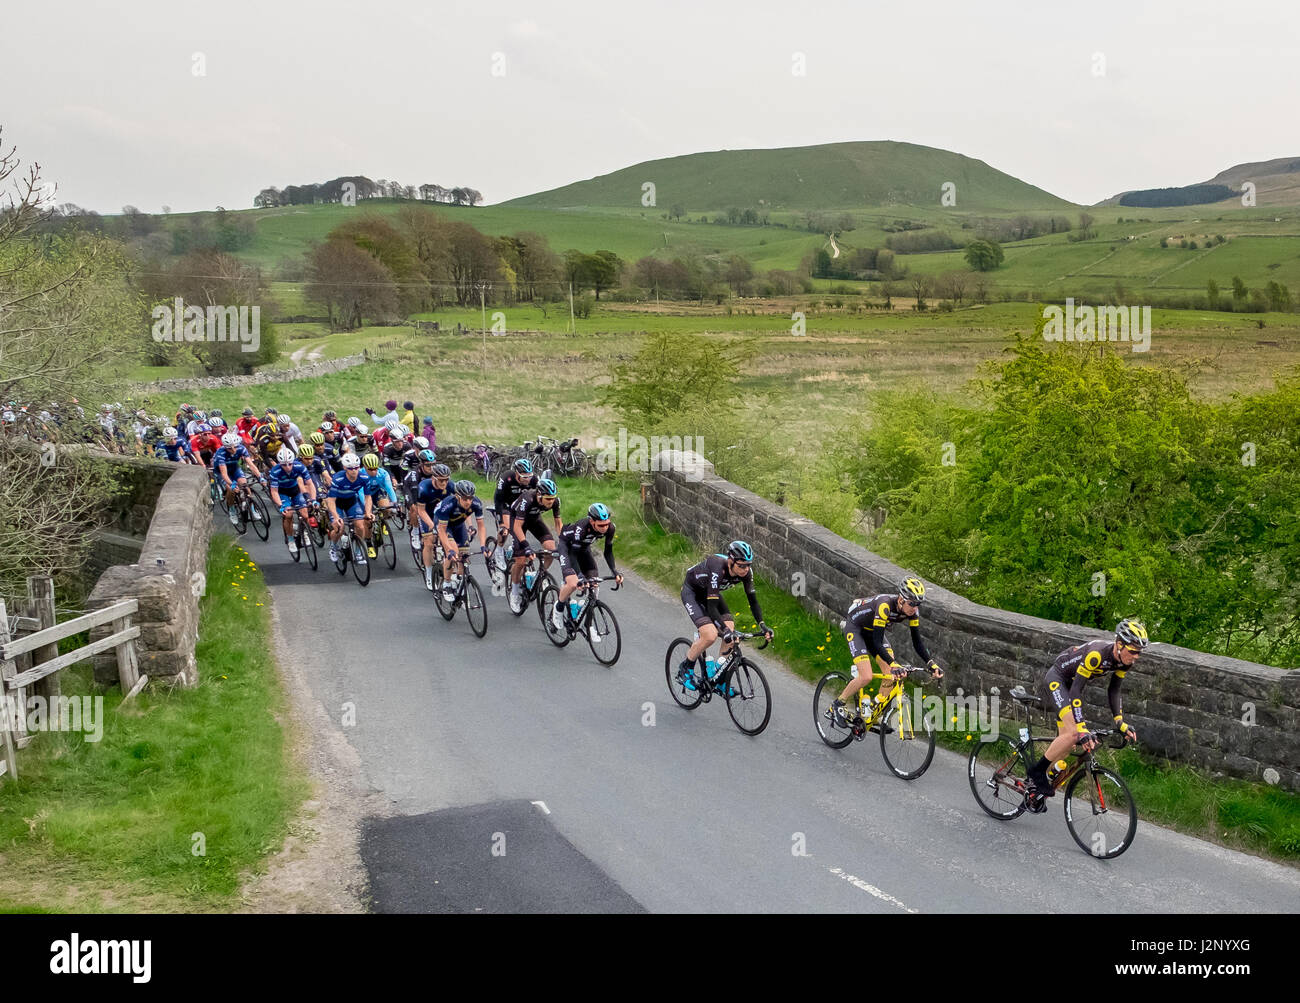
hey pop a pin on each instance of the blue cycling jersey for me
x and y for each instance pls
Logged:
(229, 458)
(285, 481)
(381, 483)
(450, 512)
(349, 490)
(174, 450)
(428, 495)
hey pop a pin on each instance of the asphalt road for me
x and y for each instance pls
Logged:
(535, 780)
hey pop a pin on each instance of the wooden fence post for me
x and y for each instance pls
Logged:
(7, 671)
(40, 599)
(128, 673)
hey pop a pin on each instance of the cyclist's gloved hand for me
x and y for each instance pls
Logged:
(768, 632)
(935, 670)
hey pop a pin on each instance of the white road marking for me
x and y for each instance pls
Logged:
(870, 889)
(542, 805)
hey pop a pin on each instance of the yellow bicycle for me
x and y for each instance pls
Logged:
(906, 736)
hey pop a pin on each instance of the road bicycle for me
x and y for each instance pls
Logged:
(467, 594)
(351, 549)
(560, 456)
(535, 582)
(587, 616)
(302, 536)
(1099, 810)
(249, 509)
(384, 538)
(736, 679)
(906, 744)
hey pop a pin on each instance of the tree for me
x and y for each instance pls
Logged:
(471, 261)
(1279, 297)
(379, 238)
(983, 255)
(920, 288)
(1212, 293)
(701, 374)
(1086, 232)
(1239, 291)
(350, 283)
(738, 274)
(604, 268)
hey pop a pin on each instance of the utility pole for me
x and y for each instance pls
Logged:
(482, 299)
(573, 324)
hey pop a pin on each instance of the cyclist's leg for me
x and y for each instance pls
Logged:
(861, 653)
(702, 622)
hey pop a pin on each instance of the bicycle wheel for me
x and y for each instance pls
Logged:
(607, 642)
(751, 705)
(417, 552)
(445, 609)
(260, 519)
(296, 554)
(828, 690)
(361, 572)
(677, 651)
(308, 545)
(545, 603)
(906, 744)
(399, 518)
(387, 544)
(1100, 813)
(241, 517)
(997, 774)
(475, 606)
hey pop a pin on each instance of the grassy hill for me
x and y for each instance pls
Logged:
(832, 176)
(1277, 184)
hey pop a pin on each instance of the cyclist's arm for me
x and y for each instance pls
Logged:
(752, 596)
(1112, 694)
(609, 554)
(917, 643)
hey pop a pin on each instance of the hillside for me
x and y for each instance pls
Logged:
(1277, 183)
(832, 176)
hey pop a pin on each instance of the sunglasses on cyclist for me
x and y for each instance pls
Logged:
(546, 498)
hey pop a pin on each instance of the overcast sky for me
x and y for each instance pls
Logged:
(1082, 99)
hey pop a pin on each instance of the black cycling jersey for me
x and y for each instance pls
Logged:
(709, 579)
(508, 491)
(864, 628)
(526, 508)
(579, 536)
(1073, 668)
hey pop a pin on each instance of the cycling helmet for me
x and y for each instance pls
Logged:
(351, 461)
(216, 412)
(370, 461)
(169, 432)
(523, 466)
(204, 427)
(247, 412)
(330, 415)
(401, 431)
(441, 470)
(282, 419)
(306, 451)
(421, 442)
(271, 411)
(187, 408)
(1132, 634)
(198, 416)
(464, 489)
(912, 589)
(426, 456)
(361, 429)
(598, 512)
(327, 426)
(546, 486)
(285, 455)
(230, 440)
(739, 550)
(317, 437)
(218, 422)
(354, 422)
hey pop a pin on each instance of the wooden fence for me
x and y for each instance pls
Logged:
(30, 659)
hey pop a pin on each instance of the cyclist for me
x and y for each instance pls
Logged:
(247, 423)
(429, 495)
(864, 631)
(450, 516)
(204, 442)
(702, 596)
(291, 488)
(317, 476)
(350, 489)
(394, 449)
(574, 548)
(289, 432)
(418, 469)
(381, 490)
(1062, 688)
(510, 485)
(225, 462)
(172, 446)
(362, 441)
(526, 517)
(318, 460)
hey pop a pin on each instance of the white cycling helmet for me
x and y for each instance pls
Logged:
(351, 461)
(402, 431)
(169, 432)
(285, 455)
(361, 429)
(421, 442)
(230, 440)
(354, 422)
(283, 420)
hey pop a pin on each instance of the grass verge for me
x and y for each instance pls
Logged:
(117, 825)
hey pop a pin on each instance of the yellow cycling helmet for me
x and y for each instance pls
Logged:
(912, 590)
(317, 437)
(370, 461)
(306, 451)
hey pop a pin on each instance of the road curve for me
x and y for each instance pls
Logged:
(507, 747)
